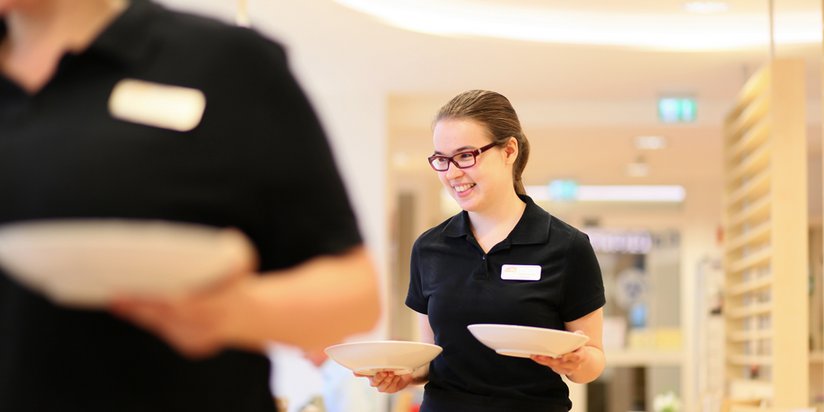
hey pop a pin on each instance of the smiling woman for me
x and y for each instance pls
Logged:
(635, 24)
(501, 260)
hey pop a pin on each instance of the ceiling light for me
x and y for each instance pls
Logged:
(650, 143)
(638, 168)
(631, 193)
(658, 31)
(612, 193)
(706, 7)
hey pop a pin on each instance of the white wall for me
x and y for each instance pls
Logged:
(354, 120)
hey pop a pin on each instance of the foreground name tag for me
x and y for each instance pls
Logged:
(521, 272)
(159, 105)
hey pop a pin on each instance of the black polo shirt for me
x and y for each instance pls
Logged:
(456, 284)
(258, 161)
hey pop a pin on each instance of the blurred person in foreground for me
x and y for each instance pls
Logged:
(457, 278)
(256, 161)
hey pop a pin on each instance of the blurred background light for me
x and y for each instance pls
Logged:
(526, 21)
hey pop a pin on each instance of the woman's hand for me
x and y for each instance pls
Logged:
(388, 382)
(337, 292)
(567, 364)
(197, 325)
(564, 365)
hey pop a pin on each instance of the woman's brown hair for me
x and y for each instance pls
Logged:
(496, 114)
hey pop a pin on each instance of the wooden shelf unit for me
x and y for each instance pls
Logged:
(765, 224)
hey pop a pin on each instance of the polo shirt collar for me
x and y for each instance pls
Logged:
(127, 39)
(532, 228)
(6, 85)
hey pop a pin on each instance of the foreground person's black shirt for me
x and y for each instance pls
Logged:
(257, 161)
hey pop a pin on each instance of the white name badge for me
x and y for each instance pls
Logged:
(521, 272)
(158, 105)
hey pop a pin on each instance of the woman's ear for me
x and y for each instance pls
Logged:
(511, 150)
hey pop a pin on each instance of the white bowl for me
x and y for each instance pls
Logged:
(369, 358)
(524, 341)
(87, 262)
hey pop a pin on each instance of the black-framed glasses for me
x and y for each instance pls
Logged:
(461, 160)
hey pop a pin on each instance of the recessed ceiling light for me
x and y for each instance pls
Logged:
(650, 143)
(706, 7)
(638, 168)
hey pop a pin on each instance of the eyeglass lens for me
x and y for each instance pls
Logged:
(462, 160)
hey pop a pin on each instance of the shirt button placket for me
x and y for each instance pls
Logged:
(485, 264)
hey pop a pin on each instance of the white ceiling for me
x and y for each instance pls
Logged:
(359, 48)
(574, 98)
(662, 25)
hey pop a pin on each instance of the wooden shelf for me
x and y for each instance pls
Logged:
(757, 187)
(749, 141)
(753, 260)
(765, 213)
(751, 360)
(754, 163)
(764, 282)
(749, 335)
(753, 236)
(738, 312)
(760, 208)
(753, 88)
(753, 112)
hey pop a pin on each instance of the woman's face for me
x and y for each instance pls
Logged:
(474, 188)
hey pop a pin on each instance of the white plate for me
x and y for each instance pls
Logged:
(87, 262)
(524, 341)
(369, 358)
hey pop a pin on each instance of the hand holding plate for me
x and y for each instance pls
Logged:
(388, 382)
(565, 364)
(197, 324)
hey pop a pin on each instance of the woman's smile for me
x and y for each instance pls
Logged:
(463, 189)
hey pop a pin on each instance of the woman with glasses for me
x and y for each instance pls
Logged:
(456, 280)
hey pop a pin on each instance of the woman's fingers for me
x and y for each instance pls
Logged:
(397, 383)
(563, 365)
(388, 382)
(191, 335)
(196, 325)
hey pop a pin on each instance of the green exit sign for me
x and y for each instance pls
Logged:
(676, 109)
(563, 190)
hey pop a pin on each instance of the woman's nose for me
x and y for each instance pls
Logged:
(453, 171)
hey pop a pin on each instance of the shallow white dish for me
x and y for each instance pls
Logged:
(524, 341)
(371, 357)
(87, 262)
